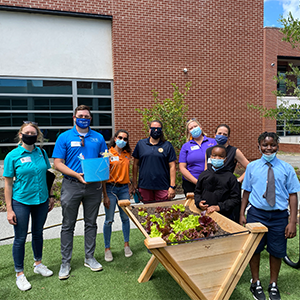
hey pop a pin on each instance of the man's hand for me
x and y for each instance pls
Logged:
(80, 178)
(51, 203)
(243, 220)
(106, 201)
(11, 217)
(131, 189)
(171, 193)
(290, 231)
(202, 205)
(212, 209)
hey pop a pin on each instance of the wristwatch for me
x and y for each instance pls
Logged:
(173, 187)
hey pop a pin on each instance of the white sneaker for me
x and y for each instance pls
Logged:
(93, 264)
(42, 269)
(127, 251)
(22, 283)
(108, 256)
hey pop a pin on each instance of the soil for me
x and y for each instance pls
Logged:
(151, 211)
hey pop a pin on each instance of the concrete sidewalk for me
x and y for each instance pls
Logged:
(54, 221)
(292, 159)
(55, 217)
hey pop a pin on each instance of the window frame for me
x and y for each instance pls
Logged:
(74, 95)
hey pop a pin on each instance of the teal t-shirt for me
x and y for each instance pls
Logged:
(29, 170)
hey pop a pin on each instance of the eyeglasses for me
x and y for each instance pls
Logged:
(83, 117)
(122, 138)
(82, 140)
(30, 122)
(156, 128)
(192, 119)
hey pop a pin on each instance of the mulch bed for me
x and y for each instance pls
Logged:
(2, 202)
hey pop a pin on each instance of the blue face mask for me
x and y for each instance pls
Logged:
(217, 162)
(270, 157)
(221, 139)
(121, 143)
(83, 123)
(196, 132)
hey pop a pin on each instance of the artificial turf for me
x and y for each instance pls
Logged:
(118, 280)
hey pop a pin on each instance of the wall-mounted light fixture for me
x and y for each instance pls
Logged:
(185, 70)
(272, 64)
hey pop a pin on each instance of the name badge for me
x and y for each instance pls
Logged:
(25, 159)
(75, 144)
(114, 158)
(195, 147)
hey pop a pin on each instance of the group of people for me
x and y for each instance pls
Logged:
(207, 166)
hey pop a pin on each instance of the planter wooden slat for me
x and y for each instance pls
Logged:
(207, 269)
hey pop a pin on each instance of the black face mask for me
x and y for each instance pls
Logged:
(156, 133)
(29, 139)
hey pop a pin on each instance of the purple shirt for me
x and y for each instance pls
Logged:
(194, 155)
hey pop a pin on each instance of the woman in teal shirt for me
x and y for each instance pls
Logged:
(26, 196)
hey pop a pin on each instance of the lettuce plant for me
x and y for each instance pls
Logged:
(173, 224)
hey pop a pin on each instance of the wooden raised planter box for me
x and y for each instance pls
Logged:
(207, 269)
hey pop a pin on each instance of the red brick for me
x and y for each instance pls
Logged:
(219, 42)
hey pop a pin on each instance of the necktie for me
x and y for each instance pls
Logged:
(269, 194)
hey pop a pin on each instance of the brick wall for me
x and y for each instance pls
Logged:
(289, 147)
(220, 42)
(274, 47)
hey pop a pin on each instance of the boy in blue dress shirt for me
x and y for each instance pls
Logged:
(274, 215)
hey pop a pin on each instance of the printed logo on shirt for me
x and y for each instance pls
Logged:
(94, 140)
(114, 158)
(75, 144)
(210, 144)
(25, 159)
(195, 147)
(160, 150)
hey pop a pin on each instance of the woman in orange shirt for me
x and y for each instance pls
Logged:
(117, 188)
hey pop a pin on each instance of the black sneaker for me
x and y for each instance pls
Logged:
(273, 292)
(257, 291)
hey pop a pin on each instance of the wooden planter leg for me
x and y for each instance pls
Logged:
(149, 269)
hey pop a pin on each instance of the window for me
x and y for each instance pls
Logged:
(281, 125)
(281, 85)
(51, 103)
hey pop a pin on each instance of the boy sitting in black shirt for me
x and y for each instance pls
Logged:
(217, 189)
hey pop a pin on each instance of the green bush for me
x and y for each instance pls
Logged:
(172, 113)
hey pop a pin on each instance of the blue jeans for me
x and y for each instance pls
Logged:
(114, 194)
(38, 218)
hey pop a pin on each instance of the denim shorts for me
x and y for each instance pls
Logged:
(276, 222)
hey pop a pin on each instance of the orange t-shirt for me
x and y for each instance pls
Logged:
(119, 167)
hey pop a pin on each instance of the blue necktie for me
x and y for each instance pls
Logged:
(269, 194)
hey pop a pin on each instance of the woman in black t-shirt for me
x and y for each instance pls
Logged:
(234, 155)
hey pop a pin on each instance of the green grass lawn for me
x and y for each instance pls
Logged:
(118, 280)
